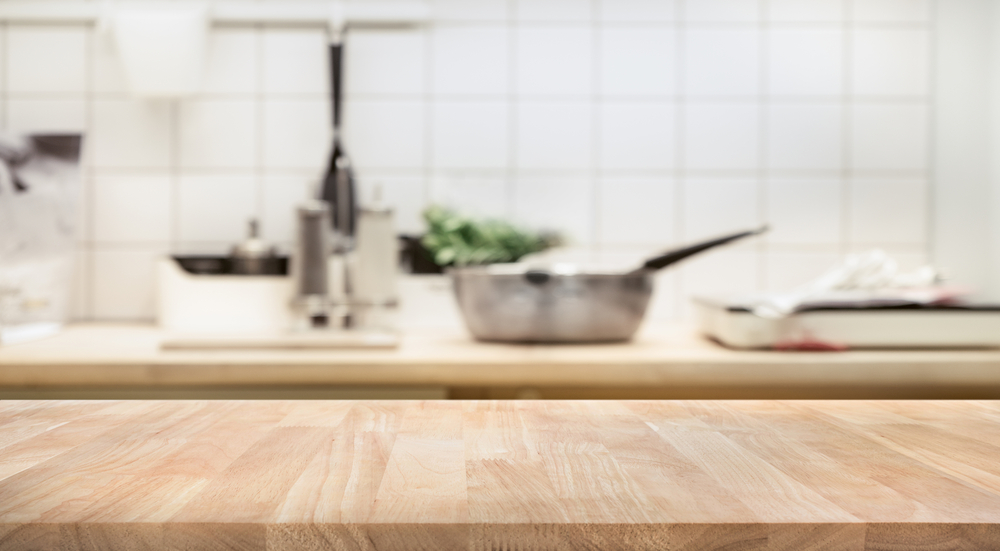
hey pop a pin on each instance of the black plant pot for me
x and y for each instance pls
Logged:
(415, 258)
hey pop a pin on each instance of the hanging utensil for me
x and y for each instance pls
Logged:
(338, 186)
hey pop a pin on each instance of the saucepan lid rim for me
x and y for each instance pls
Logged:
(559, 269)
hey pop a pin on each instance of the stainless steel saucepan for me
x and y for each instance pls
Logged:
(519, 303)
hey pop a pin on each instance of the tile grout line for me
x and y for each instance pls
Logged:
(791, 24)
(568, 172)
(259, 112)
(625, 98)
(5, 28)
(680, 151)
(513, 107)
(929, 187)
(89, 267)
(846, 138)
(597, 104)
(432, 190)
(763, 149)
(175, 184)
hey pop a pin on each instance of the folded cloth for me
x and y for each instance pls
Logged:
(863, 280)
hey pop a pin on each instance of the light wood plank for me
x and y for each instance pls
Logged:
(668, 360)
(425, 475)
(386, 476)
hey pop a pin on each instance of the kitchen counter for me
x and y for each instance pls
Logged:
(663, 362)
(679, 475)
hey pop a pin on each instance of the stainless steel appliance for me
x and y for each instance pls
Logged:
(309, 269)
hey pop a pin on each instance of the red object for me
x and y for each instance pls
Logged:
(809, 344)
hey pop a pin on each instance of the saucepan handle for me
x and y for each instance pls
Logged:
(676, 255)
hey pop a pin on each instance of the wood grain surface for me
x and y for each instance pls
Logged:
(500, 475)
(670, 359)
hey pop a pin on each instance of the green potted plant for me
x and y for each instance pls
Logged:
(456, 240)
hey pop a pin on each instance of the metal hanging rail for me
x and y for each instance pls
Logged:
(233, 12)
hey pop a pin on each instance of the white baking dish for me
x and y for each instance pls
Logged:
(731, 322)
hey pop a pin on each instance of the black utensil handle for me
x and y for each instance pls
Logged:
(336, 78)
(677, 255)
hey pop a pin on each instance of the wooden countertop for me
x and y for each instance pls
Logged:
(660, 357)
(499, 475)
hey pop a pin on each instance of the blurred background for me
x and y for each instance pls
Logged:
(629, 125)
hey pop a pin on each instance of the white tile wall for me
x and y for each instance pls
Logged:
(814, 11)
(132, 208)
(805, 211)
(637, 135)
(892, 11)
(122, 283)
(631, 125)
(470, 60)
(30, 47)
(229, 70)
(280, 195)
(637, 11)
(721, 62)
(554, 135)
(890, 62)
(378, 134)
(713, 206)
(128, 133)
(806, 136)
(726, 11)
(554, 60)
(46, 115)
(788, 270)
(407, 194)
(805, 61)
(470, 134)
(296, 133)
(637, 212)
(480, 196)
(106, 73)
(888, 211)
(218, 133)
(393, 62)
(553, 10)
(465, 11)
(721, 135)
(889, 136)
(638, 61)
(556, 203)
(733, 271)
(295, 62)
(214, 209)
